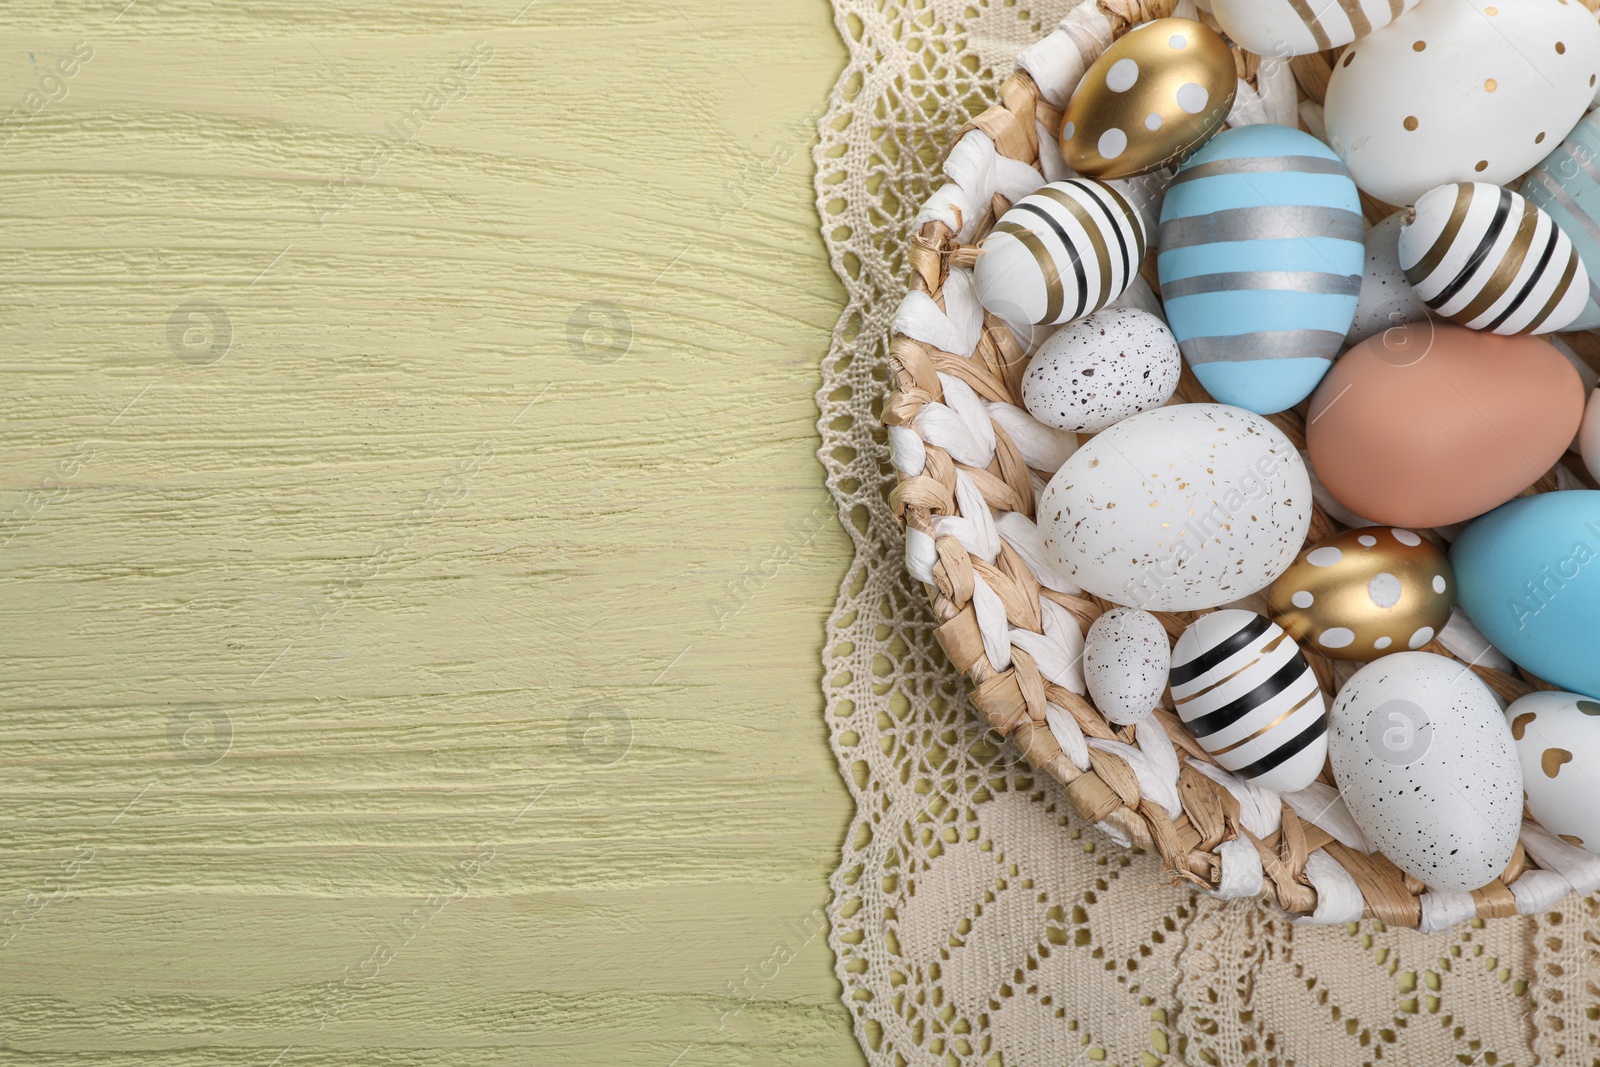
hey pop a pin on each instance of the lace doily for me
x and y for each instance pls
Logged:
(975, 921)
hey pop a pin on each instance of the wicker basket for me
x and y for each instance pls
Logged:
(1148, 785)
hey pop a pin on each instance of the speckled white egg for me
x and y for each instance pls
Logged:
(1558, 741)
(1178, 509)
(1425, 761)
(1461, 91)
(1101, 369)
(1125, 659)
(1386, 299)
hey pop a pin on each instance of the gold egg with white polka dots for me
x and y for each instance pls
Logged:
(1365, 593)
(1158, 93)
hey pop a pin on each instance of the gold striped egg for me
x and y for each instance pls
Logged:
(1365, 593)
(1156, 94)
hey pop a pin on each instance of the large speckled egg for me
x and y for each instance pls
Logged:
(1260, 264)
(1068, 249)
(1386, 299)
(1125, 658)
(1528, 575)
(1566, 185)
(1101, 369)
(1246, 693)
(1178, 509)
(1430, 424)
(1425, 762)
(1285, 28)
(1490, 260)
(1156, 93)
(1365, 593)
(1557, 736)
(1460, 91)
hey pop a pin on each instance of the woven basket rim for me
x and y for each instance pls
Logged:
(1014, 700)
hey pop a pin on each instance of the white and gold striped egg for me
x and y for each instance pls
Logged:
(1247, 694)
(1060, 253)
(1487, 258)
(1283, 28)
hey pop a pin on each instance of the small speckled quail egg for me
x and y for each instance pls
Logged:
(1126, 655)
(1101, 369)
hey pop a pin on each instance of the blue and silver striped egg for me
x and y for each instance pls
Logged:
(1060, 253)
(1260, 264)
(1566, 186)
(1246, 692)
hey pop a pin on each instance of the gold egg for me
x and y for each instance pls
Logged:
(1365, 593)
(1158, 93)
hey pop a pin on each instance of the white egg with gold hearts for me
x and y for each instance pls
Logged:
(1558, 743)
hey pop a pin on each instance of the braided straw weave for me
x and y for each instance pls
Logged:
(971, 462)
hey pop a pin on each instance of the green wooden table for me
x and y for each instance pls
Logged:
(413, 556)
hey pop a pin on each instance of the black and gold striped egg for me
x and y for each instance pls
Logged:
(1487, 258)
(1060, 253)
(1247, 694)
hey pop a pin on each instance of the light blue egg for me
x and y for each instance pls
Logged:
(1260, 264)
(1566, 184)
(1528, 575)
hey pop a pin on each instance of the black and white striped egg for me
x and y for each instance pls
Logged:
(1247, 694)
(1487, 258)
(1068, 249)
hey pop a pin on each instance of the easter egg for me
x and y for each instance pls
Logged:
(1589, 436)
(1425, 763)
(1068, 249)
(1488, 259)
(1247, 694)
(1125, 658)
(1157, 92)
(1284, 28)
(1365, 593)
(1557, 737)
(1566, 186)
(1260, 264)
(1528, 576)
(1178, 509)
(1387, 298)
(1101, 369)
(1429, 424)
(1459, 91)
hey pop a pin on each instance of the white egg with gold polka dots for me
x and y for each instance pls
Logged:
(1460, 91)
(1365, 593)
(1157, 93)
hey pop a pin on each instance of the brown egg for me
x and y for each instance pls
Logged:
(1429, 424)
(1158, 93)
(1365, 593)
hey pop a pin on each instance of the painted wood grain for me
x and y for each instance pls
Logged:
(413, 558)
